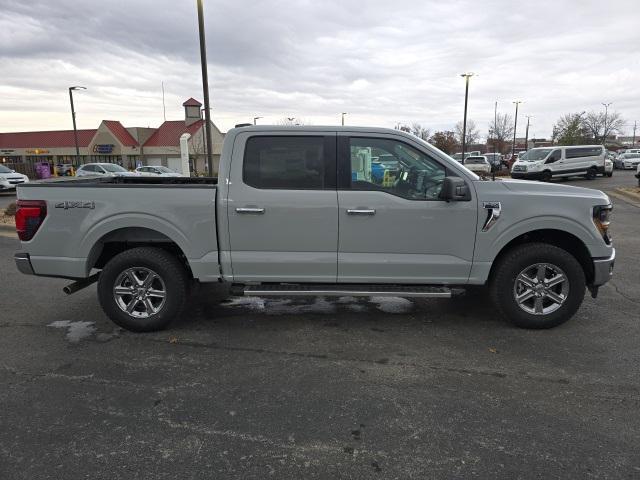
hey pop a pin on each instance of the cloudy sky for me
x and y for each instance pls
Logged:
(382, 62)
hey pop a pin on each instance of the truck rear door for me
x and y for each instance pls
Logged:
(282, 207)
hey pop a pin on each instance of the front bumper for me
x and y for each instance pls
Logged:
(23, 262)
(603, 269)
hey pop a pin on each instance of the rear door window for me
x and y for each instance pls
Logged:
(288, 162)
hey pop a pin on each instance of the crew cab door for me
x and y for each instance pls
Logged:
(282, 207)
(393, 226)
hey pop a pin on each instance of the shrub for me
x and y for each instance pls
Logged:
(10, 211)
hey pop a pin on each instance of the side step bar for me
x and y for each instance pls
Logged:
(339, 290)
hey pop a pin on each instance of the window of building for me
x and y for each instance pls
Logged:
(394, 167)
(288, 163)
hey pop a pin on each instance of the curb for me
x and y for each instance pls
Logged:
(629, 198)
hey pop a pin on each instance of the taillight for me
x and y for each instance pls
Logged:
(29, 216)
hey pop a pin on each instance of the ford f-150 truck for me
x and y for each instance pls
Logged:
(319, 211)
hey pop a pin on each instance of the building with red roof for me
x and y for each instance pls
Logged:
(113, 142)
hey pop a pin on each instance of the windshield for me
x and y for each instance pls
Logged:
(164, 170)
(112, 167)
(534, 155)
(4, 169)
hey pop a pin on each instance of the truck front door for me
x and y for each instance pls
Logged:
(282, 207)
(393, 226)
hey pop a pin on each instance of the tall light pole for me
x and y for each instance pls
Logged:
(255, 120)
(343, 114)
(205, 85)
(466, 77)
(526, 137)
(633, 142)
(495, 128)
(604, 132)
(73, 117)
(515, 126)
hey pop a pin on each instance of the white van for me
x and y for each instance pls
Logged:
(546, 162)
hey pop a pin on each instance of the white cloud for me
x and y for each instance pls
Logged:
(383, 62)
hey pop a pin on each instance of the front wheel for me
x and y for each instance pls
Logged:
(537, 285)
(143, 289)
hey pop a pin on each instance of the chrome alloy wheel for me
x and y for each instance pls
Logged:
(541, 289)
(139, 292)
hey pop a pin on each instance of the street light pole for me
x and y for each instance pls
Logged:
(255, 120)
(73, 117)
(604, 132)
(633, 142)
(515, 126)
(495, 128)
(526, 137)
(466, 77)
(205, 86)
(343, 114)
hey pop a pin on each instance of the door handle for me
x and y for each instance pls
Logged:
(361, 211)
(250, 210)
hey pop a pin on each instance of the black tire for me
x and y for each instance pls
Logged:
(503, 284)
(591, 174)
(610, 174)
(171, 278)
(546, 176)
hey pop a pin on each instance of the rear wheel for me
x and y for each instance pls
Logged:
(143, 289)
(591, 173)
(537, 285)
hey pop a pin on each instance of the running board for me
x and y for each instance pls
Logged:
(340, 290)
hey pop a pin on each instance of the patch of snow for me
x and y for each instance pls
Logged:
(76, 331)
(392, 304)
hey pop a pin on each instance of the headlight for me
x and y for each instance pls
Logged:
(601, 216)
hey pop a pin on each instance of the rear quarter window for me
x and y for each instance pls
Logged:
(583, 152)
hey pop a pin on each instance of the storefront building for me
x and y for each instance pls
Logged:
(112, 142)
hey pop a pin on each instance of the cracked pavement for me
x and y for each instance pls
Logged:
(321, 388)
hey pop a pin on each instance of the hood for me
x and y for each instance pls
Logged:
(11, 175)
(552, 189)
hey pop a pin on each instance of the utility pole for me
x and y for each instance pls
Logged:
(515, 127)
(73, 117)
(466, 77)
(526, 137)
(633, 142)
(495, 128)
(343, 114)
(205, 85)
(604, 132)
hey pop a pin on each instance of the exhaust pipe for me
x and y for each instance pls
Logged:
(80, 284)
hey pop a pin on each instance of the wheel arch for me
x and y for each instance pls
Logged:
(559, 238)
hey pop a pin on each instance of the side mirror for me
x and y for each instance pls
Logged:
(455, 189)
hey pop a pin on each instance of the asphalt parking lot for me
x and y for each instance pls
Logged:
(318, 388)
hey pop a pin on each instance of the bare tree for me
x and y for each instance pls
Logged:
(500, 131)
(570, 130)
(293, 121)
(472, 133)
(600, 124)
(420, 131)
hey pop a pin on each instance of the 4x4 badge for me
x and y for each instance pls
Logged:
(67, 205)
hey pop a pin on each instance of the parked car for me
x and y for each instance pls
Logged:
(478, 164)
(638, 174)
(103, 169)
(496, 160)
(543, 163)
(298, 212)
(629, 160)
(64, 169)
(156, 171)
(608, 167)
(10, 179)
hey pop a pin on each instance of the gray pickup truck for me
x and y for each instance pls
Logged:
(319, 211)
